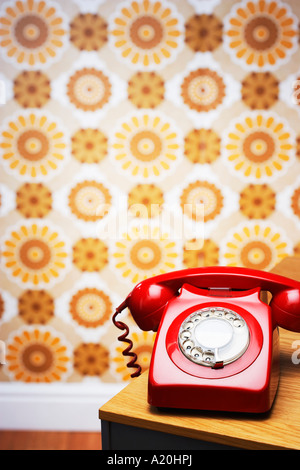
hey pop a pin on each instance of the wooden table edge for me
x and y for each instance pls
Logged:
(199, 434)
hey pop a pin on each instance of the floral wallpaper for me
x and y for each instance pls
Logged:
(118, 118)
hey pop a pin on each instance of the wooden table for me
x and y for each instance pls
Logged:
(129, 423)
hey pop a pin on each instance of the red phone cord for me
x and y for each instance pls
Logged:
(124, 338)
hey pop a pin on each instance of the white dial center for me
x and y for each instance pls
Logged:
(213, 333)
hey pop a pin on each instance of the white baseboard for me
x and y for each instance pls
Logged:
(53, 407)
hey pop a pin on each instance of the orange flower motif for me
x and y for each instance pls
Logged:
(146, 144)
(90, 307)
(144, 252)
(32, 33)
(203, 90)
(256, 246)
(89, 201)
(259, 144)
(201, 193)
(147, 33)
(33, 145)
(89, 89)
(34, 254)
(261, 34)
(37, 354)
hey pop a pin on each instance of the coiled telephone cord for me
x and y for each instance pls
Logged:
(124, 337)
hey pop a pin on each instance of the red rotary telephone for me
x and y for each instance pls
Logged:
(217, 344)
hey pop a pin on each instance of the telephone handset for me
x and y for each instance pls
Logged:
(217, 345)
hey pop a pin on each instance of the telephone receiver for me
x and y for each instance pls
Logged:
(196, 305)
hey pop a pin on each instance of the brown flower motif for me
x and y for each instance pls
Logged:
(146, 89)
(298, 146)
(202, 146)
(203, 32)
(208, 255)
(91, 359)
(34, 200)
(36, 306)
(89, 145)
(88, 32)
(32, 89)
(90, 254)
(260, 90)
(257, 201)
(297, 249)
(295, 202)
(145, 200)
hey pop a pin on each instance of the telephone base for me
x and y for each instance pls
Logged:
(205, 398)
(248, 383)
(251, 391)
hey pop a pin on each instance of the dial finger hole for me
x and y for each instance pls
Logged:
(188, 345)
(189, 325)
(196, 353)
(185, 335)
(238, 323)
